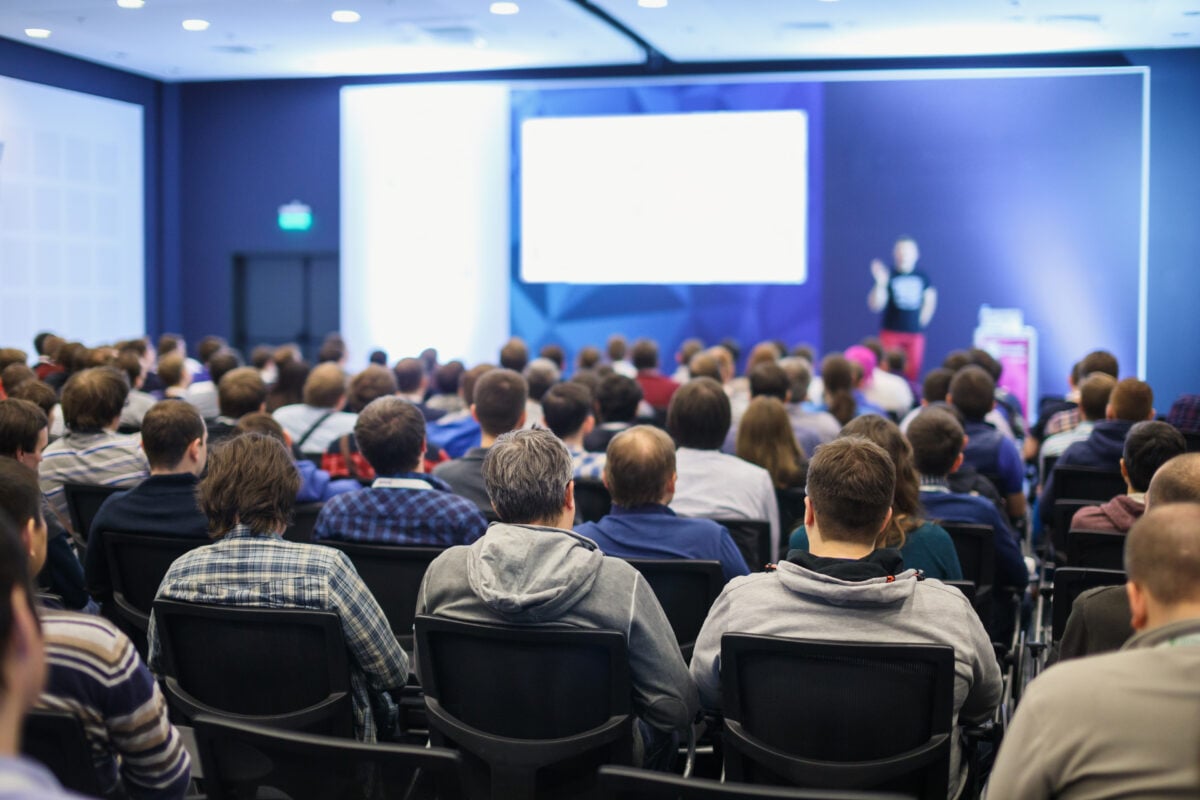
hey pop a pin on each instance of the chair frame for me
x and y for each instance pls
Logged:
(110, 541)
(756, 552)
(73, 493)
(709, 572)
(625, 782)
(400, 620)
(70, 758)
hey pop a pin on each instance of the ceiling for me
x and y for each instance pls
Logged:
(298, 38)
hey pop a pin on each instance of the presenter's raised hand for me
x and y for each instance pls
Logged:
(879, 271)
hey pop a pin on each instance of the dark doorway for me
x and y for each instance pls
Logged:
(285, 297)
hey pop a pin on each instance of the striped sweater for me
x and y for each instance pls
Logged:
(95, 674)
(100, 458)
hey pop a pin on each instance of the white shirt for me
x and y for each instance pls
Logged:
(203, 395)
(715, 485)
(889, 392)
(297, 419)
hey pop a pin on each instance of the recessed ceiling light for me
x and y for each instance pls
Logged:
(504, 9)
(345, 15)
(652, 3)
(131, 3)
(37, 33)
(195, 24)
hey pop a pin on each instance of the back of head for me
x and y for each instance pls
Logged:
(805, 351)
(799, 373)
(170, 343)
(11, 355)
(514, 355)
(92, 399)
(762, 353)
(172, 369)
(325, 385)
(251, 481)
(882, 431)
(378, 357)
(956, 360)
(23, 671)
(1162, 553)
(644, 354)
(705, 365)
(1099, 361)
(409, 374)
(1132, 400)
(937, 385)
(864, 358)
(20, 423)
(240, 392)
(588, 358)
(618, 397)
(894, 361)
(290, 381)
(208, 347)
(1148, 446)
(1094, 394)
(168, 429)
(20, 497)
(130, 363)
(332, 350)
(555, 353)
(765, 438)
(499, 401)
(540, 375)
(768, 379)
(566, 407)
(726, 362)
(373, 382)
(221, 364)
(260, 356)
(873, 344)
(699, 415)
(639, 465)
(616, 347)
(38, 393)
(468, 379)
(936, 438)
(14, 375)
(447, 376)
(689, 348)
(261, 423)
(851, 481)
(390, 433)
(982, 358)
(838, 376)
(973, 392)
(526, 474)
(1177, 481)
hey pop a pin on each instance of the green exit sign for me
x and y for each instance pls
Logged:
(295, 216)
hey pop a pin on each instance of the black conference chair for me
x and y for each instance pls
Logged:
(1192, 438)
(977, 556)
(838, 716)
(304, 519)
(1096, 549)
(1069, 583)
(83, 501)
(1060, 521)
(285, 668)
(686, 591)
(535, 710)
(1087, 483)
(393, 573)
(243, 760)
(631, 783)
(753, 539)
(592, 500)
(57, 740)
(791, 515)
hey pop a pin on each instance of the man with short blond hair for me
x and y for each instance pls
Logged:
(318, 421)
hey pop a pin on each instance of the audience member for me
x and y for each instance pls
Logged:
(842, 397)
(175, 376)
(973, 393)
(704, 365)
(848, 589)
(765, 437)
(514, 354)
(498, 406)
(683, 357)
(657, 388)
(247, 496)
(588, 359)
(1094, 393)
(458, 431)
(316, 484)
(333, 351)
(1122, 724)
(291, 376)
(403, 505)
(554, 353)
(804, 416)
(881, 389)
(617, 401)
(240, 392)
(92, 452)
(1185, 413)
(1097, 361)
(13, 376)
(540, 374)
(567, 412)
(319, 420)
(203, 394)
(532, 569)
(412, 384)
(138, 402)
(446, 397)
(47, 344)
(616, 349)
(711, 483)
(372, 383)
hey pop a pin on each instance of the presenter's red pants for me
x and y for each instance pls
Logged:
(913, 345)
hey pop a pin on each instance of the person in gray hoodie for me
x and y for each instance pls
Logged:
(531, 569)
(845, 589)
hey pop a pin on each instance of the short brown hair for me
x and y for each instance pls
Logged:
(699, 414)
(169, 342)
(936, 437)
(851, 482)
(765, 437)
(499, 400)
(468, 379)
(588, 357)
(129, 362)
(20, 423)
(325, 385)
(262, 423)
(171, 368)
(390, 433)
(168, 429)
(409, 374)
(936, 385)
(1094, 394)
(768, 379)
(1132, 400)
(906, 500)
(372, 383)
(38, 393)
(704, 365)
(208, 347)
(639, 465)
(973, 392)
(241, 391)
(644, 354)
(514, 355)
(566, 407)
(14, 375)
(1177, 481)
(11, 355)
(251, 481)
(1162, 553)
(1099, 361)
(93, 398)
(1148, 445)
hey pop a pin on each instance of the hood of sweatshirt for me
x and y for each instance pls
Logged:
(877, 579)
(1108, 438)
(530, 573)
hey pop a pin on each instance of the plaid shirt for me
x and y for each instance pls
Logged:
(249, 569)
(386, 515)
(99, 459)
(1063, 421)
(1185, 413)
(587, 464)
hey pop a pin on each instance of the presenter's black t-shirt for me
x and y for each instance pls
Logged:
(906, 293)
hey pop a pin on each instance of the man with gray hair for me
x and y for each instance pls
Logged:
(531, 568)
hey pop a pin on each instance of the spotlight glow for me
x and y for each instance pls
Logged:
(345, 15)
(652, 3)
(131, 3)
(504, 9)
(37, 33)
(195, 24)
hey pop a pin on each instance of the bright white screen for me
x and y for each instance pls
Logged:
(672, 198)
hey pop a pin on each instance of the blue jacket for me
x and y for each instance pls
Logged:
(1102, 449)
(951, 507)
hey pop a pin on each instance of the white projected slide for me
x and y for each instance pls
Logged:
(71, 215)
(672, 198)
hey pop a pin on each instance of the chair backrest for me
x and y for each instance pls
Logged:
(686, 591)
(393, 573)
(1087, 483)
(753, 539)
(304, 519)
(592, 500)
(57, 740)
(966, 587)
(1192, 438)
(631, 783)
(837, 715)
(535, 709)
(1096, 549)
(1060, 519)
(286, 668)
(240, 759)
(1069, 583)
(137, 563)
(791, 514)
(83, 501)
(1048, 463)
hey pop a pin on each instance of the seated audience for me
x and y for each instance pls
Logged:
(47, 344)
(1148, 446)
(291, 376)
(540, 374)
(447, 397)
(247, 495)
(319, 420)
(848, 589)
(688, 349)
(23, 437)
(138, 402)
(616, 348)
(42, 396)
(175, 376)
(567, 412)
(1122, 724)
(403, 505)
(556, 354)
(657, 388)
(821, 425)
(373, 382)
(531, 569)
(1185, 413)
(240, 392)
(922, 544)
(768, 379)
(617, 401)
(713, 484)
(95, 674)
(881, 389)
(92, 452)
(203, 394)
(1097, 361)
(412, 384)
(765, 437)
(640, 476)
(1094, 394)
(839, 389)
(973, 393)
(458, 431)
(316, 484)
(498, 405)
(514, 354)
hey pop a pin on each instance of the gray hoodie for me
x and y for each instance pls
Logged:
(525, 574)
